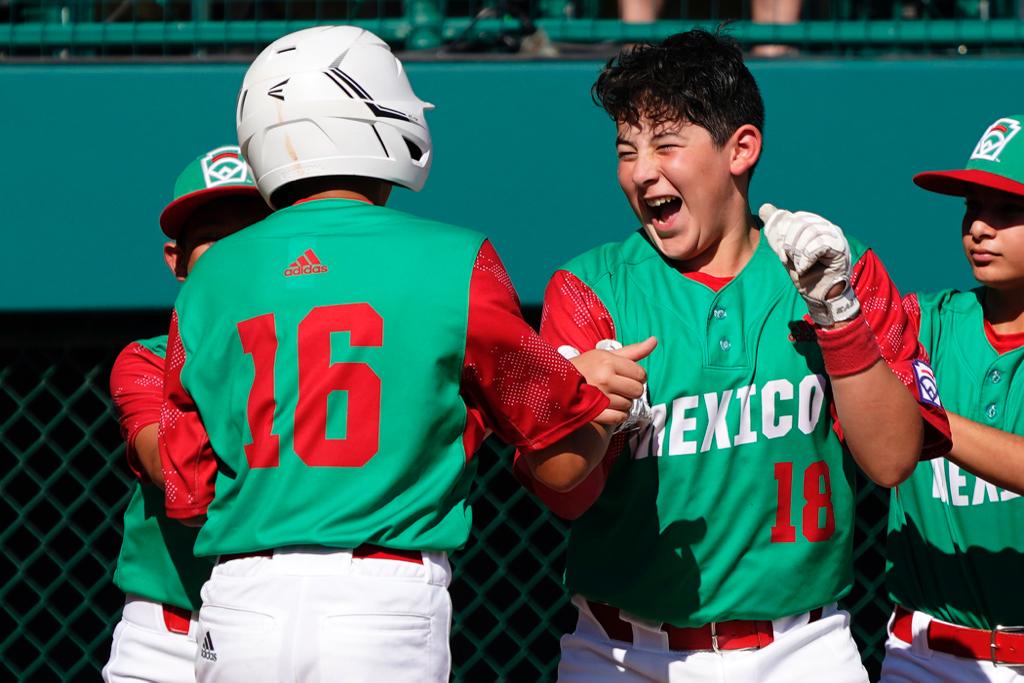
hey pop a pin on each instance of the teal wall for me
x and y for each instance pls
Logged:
(521, 154)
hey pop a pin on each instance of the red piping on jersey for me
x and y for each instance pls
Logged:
(1003, 343)
(712, 282)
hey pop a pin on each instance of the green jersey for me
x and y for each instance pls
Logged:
(955, 539)
(325, 349)
(347, 366)
(737, 501)
(156, 560)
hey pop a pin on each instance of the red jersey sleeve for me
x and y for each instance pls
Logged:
(137, 388)
(573, 315)
(896, 330)
(186, 455)
(513, 382)
(912, 307)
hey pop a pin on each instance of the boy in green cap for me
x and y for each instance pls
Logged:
(155, 640)
(955, 526)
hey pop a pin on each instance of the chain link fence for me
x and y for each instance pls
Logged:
(66, 486)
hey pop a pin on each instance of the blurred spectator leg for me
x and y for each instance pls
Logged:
(639, 11)
(775, 12)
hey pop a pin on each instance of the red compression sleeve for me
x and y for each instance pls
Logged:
(189, 464)
(137, 388)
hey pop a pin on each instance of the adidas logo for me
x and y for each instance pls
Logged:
(307, 264)
(207, 651)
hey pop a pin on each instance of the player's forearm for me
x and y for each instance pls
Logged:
(147, 449)
(992, 454)
(566, 463)
(881, 423)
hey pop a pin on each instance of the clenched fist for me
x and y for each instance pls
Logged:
(612, 368)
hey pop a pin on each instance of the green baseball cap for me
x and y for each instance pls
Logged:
(997, 162)
(221, 172)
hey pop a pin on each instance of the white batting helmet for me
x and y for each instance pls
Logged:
(331, 100)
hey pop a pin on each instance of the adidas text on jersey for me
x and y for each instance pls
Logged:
(307, 264)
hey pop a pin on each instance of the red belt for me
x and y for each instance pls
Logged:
(1001, 645)
(365, 551)
(177, 619)
(717, 636)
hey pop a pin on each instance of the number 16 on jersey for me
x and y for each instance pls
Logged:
(318, 378)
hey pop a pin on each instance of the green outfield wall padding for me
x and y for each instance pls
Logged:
(521, 153)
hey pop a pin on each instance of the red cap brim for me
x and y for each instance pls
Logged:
(958, 183)
(177, 212)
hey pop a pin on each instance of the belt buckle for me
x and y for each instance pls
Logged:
(992, 641)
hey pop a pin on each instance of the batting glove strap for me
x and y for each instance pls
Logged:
(827, 313)
(640, 414)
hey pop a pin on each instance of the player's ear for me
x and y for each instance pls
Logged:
(745, 149)
(171, 257)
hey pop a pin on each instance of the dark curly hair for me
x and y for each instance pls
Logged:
(696, 76)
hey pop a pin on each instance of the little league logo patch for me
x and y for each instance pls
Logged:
(224, 166)
(927, 388)
(995, 139)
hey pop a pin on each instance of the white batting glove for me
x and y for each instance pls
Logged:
(817, 256)
(640, 412)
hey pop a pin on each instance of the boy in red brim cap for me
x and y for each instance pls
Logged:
(955, 526)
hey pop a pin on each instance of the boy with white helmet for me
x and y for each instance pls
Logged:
(346, 360)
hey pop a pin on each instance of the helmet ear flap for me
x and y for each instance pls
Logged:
(332, 101)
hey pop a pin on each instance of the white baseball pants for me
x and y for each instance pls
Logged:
(144, 650)
(918, 663)
(820, 651)
(318, 614)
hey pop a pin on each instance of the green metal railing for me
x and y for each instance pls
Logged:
(65, 486)
(73, 28)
